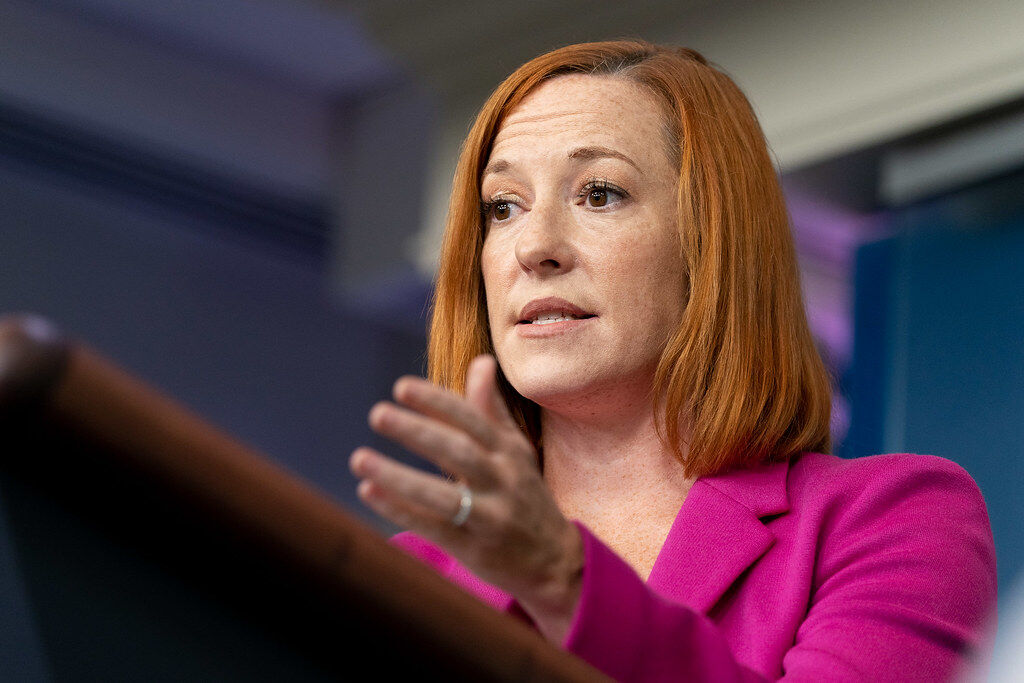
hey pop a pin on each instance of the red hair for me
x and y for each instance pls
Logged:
(741, 373)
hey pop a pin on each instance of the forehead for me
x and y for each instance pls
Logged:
(599, 109)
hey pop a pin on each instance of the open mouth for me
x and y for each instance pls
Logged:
(550, 317)
(551, 310)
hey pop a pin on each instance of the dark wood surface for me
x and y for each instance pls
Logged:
(155, 546)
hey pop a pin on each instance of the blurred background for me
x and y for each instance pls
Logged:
(241, 201)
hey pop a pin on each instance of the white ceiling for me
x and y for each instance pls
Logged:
(464, 47)
(825, 78)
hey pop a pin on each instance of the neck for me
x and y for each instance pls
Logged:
(600, 461)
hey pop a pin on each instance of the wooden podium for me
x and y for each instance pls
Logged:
(154, 547)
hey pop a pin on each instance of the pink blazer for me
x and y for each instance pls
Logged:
(817, 569)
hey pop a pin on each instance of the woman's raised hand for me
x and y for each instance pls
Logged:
(514, 535)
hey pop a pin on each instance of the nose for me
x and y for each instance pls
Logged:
(544, 245)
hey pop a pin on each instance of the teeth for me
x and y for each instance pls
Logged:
(548, 318)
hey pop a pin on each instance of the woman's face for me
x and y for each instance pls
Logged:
(581, 260)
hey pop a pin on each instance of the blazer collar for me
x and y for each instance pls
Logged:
(718, 533)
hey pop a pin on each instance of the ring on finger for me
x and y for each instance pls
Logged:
(465, 506)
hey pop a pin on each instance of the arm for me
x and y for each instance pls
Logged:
(901, 551)
(909, 568)
(511, 532)
(632, 634)
(905, 579)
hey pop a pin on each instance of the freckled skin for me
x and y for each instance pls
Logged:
(620, 261)
(583, 187)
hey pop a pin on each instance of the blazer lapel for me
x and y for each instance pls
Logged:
(718, 533)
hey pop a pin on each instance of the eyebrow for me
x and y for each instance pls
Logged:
(591, 153)
(582, 153)
(496, 166)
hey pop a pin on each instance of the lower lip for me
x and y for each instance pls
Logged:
(535, 331)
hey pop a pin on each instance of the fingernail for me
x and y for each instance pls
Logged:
(365, 489)
(402, 388)
(376, 414)
(357, 461)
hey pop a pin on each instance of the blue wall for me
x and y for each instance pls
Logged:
(939, 347)
(216, 292)
(240, 329)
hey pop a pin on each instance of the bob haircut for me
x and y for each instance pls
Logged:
(740, 381)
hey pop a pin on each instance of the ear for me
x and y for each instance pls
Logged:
(482, 389)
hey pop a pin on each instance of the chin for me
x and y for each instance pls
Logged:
(549, 382)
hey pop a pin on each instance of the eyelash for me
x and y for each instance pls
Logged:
(486, 207)
(603, 185)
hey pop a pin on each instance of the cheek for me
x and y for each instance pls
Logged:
(666, 278)
(495, 281)
(637, 261)
(643, 277)
(665, 270)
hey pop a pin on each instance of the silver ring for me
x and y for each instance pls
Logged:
(465, 505)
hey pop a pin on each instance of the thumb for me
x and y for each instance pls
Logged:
(482, 389)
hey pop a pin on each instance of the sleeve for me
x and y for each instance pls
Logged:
(906, 579)
(421, 549)
(630, 633)
(903, 583)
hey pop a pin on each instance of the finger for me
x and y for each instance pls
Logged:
(434, 496)
(449, 448)
(482, 389)
(445, 405)
(404, 514)
(401, 510)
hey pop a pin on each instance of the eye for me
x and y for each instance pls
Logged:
(600, 193)
(597, 197)
(498, 209)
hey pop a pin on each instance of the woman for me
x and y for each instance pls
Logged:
(640, 474)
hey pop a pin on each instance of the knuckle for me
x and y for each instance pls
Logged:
(515, 443)
(519, 484)
(463, 451)
(463, 444)
(507, 472)
(502, 513)
(442, 501)
(400, 485)
(508, 446)
(404, 519)
(430, 440)
(478, 430)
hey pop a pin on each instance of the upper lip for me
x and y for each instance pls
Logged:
(550, 304)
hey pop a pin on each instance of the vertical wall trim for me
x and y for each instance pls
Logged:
(896, 381)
